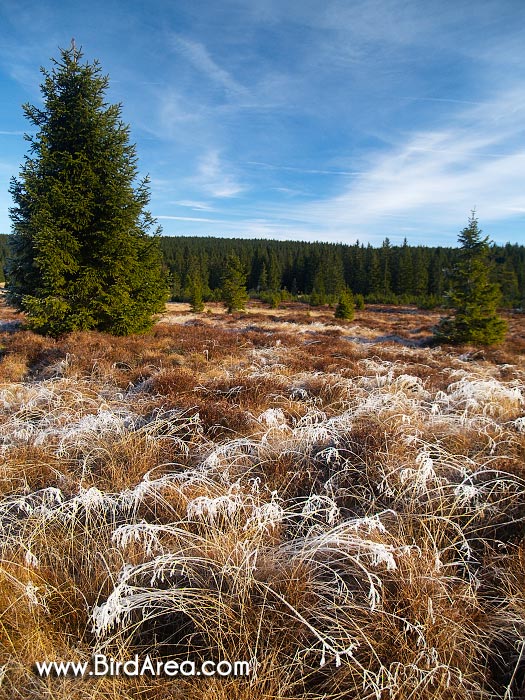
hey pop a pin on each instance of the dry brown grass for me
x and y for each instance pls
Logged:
(334, 502)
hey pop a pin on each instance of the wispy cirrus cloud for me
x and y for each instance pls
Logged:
(305, 171)
(434, 178)
(215, 178)
(191, 204)
(245, 227)
(201, 219)
(198, 55)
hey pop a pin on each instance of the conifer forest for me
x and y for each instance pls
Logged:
(318, 271)
(388, 274)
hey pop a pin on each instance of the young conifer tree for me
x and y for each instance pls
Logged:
(473, 296)
(233, 287)
(195, 292)
(345, 309)
(81, 253)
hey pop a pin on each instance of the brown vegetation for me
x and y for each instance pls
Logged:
(334, 502)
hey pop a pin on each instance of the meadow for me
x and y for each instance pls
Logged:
(338, 503)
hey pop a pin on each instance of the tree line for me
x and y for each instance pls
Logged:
(318, 272)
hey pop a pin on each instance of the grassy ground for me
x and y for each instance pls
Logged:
(336, 503)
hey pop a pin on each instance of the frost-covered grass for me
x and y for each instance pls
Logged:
(347, 517)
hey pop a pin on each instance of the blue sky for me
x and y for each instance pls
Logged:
(331, 120)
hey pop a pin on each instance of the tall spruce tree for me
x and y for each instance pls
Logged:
(82, 256)
(472, 295)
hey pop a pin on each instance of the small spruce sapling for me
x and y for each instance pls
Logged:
(345, 309)
(473, 296)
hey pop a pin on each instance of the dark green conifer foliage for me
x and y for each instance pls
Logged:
(359, 301)
(473, 296)
(508, 282)
(404, 271)
(385, 272)
(374, 272)
(263, 279)
(318, 295)
(345, 309)
(420, 279)
(81, 254)
(195, 292)
(233, 289)
(274, 274)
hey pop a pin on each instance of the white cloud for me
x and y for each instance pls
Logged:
(197, 54)
(305, 171)
(191, 204)
(214, 178)
(436, 177)
(245, 228)
(168, 217)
